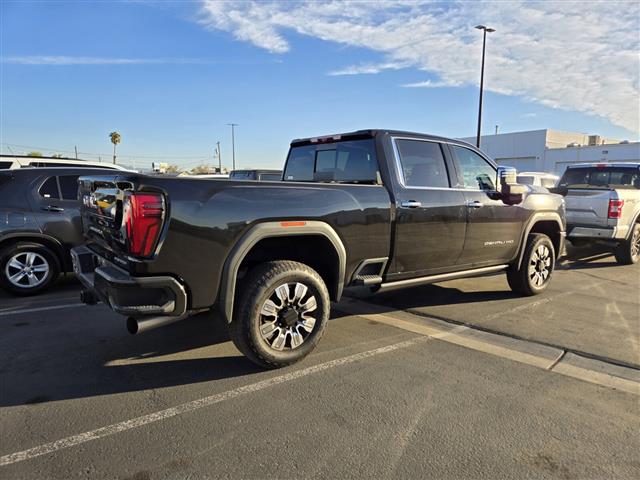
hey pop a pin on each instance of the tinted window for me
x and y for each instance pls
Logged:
(349, 162)
(548, 182)
(241, 175)
(525, 179)
(69, 187)
(49, 188)
(270, 177)
(601, 177)
(4, 165)
(477, 173)
(422, 164)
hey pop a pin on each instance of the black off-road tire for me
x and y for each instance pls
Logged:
(628, 251)
(520, 279)
(260, 285)
(42, 253)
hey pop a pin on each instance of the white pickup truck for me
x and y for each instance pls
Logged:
(603, 205)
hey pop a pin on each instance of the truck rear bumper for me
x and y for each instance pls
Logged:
(613, 233)
(125, 294)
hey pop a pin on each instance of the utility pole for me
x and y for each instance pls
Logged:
(233, 143)
(484, 43)
(76, 149)
(219, 155)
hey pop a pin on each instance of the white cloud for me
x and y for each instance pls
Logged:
(368, 68)
(581, 56)
(431, 84)
(66, 60)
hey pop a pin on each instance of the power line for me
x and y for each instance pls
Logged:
(60, 150)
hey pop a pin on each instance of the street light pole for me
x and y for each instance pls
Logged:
(484, 43)
(233, 143)
(219, 158)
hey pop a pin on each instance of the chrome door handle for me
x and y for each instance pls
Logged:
(411, 204)
(475, 204)
(53, 208)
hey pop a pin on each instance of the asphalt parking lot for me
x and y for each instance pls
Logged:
(457, 380)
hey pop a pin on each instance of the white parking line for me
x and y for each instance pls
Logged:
(196, 404)
(4, 313)
(456, 336)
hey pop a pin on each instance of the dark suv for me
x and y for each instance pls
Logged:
(39, 223)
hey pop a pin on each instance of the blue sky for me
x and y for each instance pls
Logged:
(169, 76)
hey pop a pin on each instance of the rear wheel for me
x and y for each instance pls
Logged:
(628, 252)
(280, 314)
(27, 268)
(536, 268)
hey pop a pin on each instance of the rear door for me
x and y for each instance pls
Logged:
(493, 228)
(57, 208)
(431, 216)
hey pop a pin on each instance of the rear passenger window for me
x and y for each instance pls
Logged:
(49, 189)
(422, 164)
(69, 187)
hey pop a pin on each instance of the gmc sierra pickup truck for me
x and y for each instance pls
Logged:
(603, 206)
(375, 208)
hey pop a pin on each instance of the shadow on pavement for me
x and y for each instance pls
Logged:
(58, 363)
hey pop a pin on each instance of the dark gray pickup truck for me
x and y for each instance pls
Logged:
(376, 208)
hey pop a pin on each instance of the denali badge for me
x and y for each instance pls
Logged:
(493, 243)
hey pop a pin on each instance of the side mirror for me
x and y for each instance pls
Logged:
(510, 191)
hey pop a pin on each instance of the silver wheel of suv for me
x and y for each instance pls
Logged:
(540, 265)
(286, 317)
(27, 270)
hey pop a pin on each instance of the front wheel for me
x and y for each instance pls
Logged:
(536, 269)
(280, 314)
(628, 252)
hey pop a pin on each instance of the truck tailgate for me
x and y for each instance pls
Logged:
(588, 207)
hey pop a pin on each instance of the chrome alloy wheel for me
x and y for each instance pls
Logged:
(540, 265)
(635, 243)
(27, 269)
(286, 318)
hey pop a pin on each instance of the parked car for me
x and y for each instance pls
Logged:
(538, 179)
(39, 223)
(603, 206)
(375, 208)
(260, 175)
(11, 162)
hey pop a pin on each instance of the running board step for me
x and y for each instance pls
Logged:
(413, 282)
(365, 280)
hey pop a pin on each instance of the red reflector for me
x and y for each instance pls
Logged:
(142, 219)
(615, 208)
(293, 224)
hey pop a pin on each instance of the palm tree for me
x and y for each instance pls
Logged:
(115, 139)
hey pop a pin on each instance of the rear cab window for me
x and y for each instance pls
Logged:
(348, 161)
(601, 178)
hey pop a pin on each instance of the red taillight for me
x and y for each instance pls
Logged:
(615, 208)
(142, 221)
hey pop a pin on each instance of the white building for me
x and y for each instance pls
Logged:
(552, 150)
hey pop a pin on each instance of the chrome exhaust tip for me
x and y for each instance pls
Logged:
(140, 325)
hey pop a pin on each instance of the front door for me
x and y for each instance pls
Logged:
(431, 217)
(493, 228)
